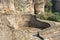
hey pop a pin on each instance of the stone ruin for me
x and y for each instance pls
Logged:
(18, 21)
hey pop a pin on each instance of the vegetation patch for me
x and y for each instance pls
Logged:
(49, 15)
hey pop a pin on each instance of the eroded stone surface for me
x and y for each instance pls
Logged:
(23, 25)
(5, 33)
(25, 35)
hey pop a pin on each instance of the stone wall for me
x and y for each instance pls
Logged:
(36, 6)
(39, 6)
(7, 4)
(25, 6)
(21, 24)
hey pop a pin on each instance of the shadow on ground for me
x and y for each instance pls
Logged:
(34, 23)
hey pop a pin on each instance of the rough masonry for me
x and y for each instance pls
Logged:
(18, 21)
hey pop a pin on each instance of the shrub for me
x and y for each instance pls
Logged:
(54, 18)
(49, 16)
(48, 6)
(57, 13)
(42, 16)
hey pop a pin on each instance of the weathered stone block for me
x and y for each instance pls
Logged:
(39, 6)
(5, 33)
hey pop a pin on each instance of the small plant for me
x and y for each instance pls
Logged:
(54, 18)
(57, 13)
(49, 16)
(42, 16)
(48, 6)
